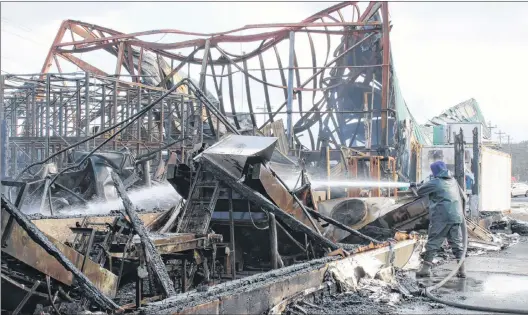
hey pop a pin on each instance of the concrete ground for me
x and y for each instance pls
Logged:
(519, 208)
(498, 279)
(494, 279)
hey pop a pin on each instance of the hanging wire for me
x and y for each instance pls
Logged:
(251, 217)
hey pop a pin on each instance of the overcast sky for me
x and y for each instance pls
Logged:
(444, 53)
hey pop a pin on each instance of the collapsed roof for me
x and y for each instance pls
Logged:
(465, 112)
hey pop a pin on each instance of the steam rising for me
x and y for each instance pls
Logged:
(160, 196)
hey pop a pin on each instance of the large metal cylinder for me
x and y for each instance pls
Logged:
(353, 212)
(349, 212)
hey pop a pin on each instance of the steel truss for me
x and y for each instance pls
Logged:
(348, 100)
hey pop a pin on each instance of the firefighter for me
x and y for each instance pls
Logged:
(446, 202)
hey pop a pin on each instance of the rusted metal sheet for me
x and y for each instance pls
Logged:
(281, 197)
(59, 228)
(233, 151)
(23, 248)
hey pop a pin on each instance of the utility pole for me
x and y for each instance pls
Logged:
(500, 133)
(490, 127)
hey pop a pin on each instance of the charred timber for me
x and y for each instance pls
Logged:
(153, 257)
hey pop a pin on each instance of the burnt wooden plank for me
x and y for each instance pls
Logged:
(153, 257)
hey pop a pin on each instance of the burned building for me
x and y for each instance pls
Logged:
(166, 115)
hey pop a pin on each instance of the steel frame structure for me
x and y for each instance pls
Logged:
(341, 104)
(44, 116)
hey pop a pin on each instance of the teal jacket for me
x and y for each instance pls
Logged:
(445, 199)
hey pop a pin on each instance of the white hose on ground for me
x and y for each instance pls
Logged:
(427, 291)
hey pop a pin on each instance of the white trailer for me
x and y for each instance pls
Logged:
(495, 180)
(495, 173)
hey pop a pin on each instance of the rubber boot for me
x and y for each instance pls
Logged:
(425, 270)
(461, 271)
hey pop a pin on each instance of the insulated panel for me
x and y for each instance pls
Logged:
(495, 180)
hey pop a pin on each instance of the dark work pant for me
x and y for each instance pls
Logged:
(437, 234)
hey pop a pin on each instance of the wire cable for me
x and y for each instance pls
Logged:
(251, 217)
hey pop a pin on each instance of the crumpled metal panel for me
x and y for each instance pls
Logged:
(233, 151)
(466, 111)
(282, 198)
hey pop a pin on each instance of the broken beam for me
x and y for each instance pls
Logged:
(153, 257)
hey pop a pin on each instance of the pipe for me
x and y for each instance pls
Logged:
(50, 297)
(344, 227)
(273, 241)
(427, 291)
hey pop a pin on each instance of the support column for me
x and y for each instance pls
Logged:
(34, 112)
(113, 121)
(289, 104)
(459, 159)
(139, 123)
(126, 134)
(103, 108)
(27, 123)
(77, 125)
(232, 252)
(474, 204)
(3, 132)
(385, 76)
(13, 133)
(476, 162)
(168, 122)
(150, 125)
(60, 115)
(46, 124)
(146, 174)
(87, 108)
(203, 72)
(53, 116)
(274, 254)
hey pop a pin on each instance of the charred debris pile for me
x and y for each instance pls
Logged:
(239, 220)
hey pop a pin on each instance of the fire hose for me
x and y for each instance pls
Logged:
(427, 291)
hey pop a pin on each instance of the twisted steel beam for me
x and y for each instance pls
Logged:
(330, 101)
